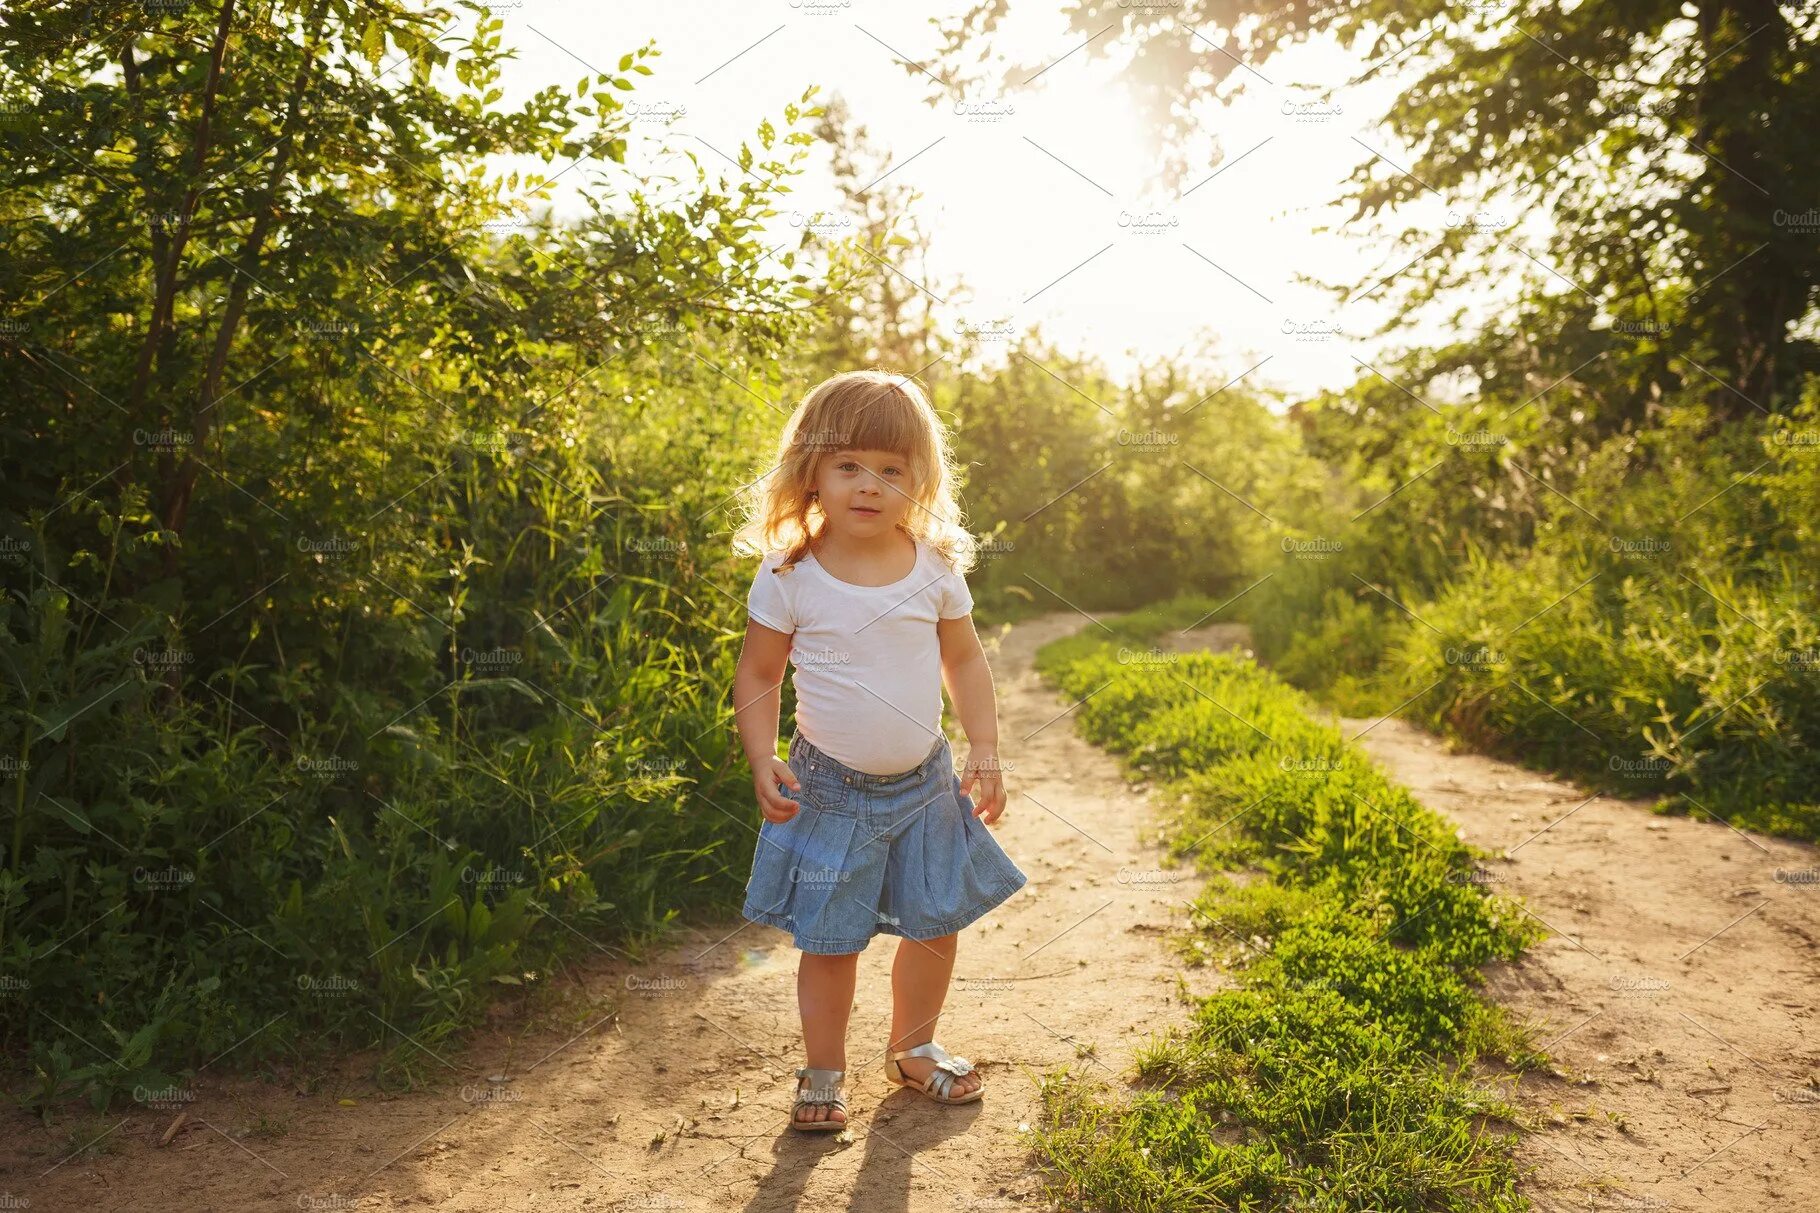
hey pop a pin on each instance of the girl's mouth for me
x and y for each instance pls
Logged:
(868, 511)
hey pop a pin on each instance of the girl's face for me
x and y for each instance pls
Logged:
(864, 493)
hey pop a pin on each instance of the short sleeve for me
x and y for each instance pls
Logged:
(766, 602)
(957, 599)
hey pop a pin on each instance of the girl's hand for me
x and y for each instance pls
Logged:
(982, 767)
(773, 804)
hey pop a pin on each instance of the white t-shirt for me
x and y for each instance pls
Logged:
(867, 658)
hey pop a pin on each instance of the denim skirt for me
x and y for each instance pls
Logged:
(875, 854)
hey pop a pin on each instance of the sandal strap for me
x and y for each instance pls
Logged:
(821, 1080)
(948, 1067)
(943, 1060)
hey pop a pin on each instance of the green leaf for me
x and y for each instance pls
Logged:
(503, 684)
(372, 42)
(58, 719)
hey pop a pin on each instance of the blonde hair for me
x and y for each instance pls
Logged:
(863, 411)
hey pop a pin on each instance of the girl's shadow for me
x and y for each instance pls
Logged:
(896, 1153)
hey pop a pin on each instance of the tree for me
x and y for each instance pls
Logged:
(333, 474)
(1674, 145)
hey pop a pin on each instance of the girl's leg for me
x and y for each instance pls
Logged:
(919, 986)
(824, 992)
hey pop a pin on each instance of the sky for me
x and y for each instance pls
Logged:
(1046, 203)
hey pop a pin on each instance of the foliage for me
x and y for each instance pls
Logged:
(1672, 147)
(1137, 491)
(1580, 531)
(1654, 635)
(363, 644)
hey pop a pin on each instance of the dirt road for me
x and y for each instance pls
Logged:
(676, 1094)
(1678, 993)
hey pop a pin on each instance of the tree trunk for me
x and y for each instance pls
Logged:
(180, 488)
(1761, 288)
(165, 295)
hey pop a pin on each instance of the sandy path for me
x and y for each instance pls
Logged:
(634, 1108)
(1678, 994)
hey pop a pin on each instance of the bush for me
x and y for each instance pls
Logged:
(339, 705)
(1659, 634)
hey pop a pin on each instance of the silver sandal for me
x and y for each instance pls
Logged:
(824, 1089)
(940, 1080)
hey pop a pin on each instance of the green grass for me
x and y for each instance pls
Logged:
(1341, 1072)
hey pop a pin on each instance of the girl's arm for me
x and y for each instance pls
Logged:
(758, 683)
(968, 678)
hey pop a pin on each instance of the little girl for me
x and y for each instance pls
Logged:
(866, 827)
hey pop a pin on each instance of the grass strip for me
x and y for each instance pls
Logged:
(1342, 1070)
